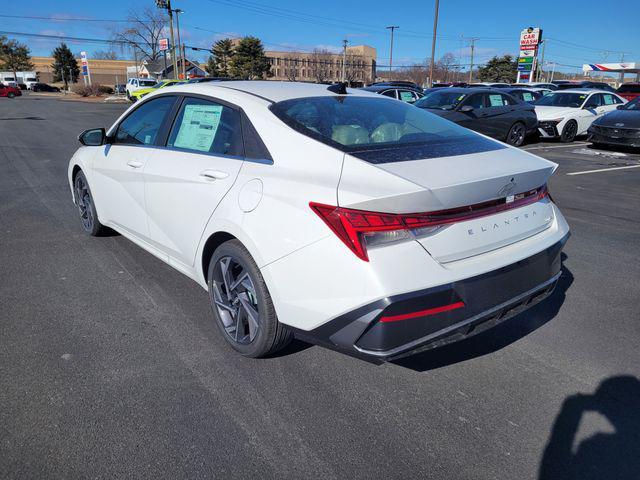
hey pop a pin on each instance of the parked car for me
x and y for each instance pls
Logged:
(325, 246)
(398, 83)
(9, 91)
(591, 85)
(629, 91)
(408, 95)
(566, 114)
(138, 94)
(548, 86)
(620, 127)
(134, 84)
(528, 95)
(489, 84)
(492, 112)
(120, 88)
(449, 84)
(43, 87)
(208, 79)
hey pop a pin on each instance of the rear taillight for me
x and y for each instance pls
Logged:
(359, 228)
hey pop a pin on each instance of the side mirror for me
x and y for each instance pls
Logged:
(466, 109)
(620, 107)
(93, 137)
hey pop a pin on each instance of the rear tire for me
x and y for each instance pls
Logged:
(241, 303)
(517, 134)
(569, 132)
(86, 206)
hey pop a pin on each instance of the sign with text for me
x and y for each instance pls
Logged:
(530, 40)
(527, 53)
(85, 64)
(530, 37)
(163, 43)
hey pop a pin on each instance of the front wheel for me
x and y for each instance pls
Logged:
(11, 95)
(516, 134)
(569, 132)
(86, 207)
(241, 303)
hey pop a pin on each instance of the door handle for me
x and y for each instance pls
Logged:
(213, 175)
(134, 164)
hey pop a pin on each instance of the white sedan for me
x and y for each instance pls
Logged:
(569, 113)
(335, 215)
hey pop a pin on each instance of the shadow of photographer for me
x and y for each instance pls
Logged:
(604, 455)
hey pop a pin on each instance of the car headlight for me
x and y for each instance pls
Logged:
(554, 121)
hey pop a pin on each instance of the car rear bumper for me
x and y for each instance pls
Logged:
(389, 328)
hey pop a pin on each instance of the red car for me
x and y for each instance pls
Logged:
(629, 90)
(7, 91)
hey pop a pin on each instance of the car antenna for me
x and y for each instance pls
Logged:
(340, 88)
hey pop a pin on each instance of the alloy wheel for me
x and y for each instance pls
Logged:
(516, 135)
(234, 295)
(83, 197)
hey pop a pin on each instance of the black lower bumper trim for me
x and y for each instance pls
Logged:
(488, 299)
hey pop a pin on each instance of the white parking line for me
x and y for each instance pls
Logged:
(540, 147)
(604, 170)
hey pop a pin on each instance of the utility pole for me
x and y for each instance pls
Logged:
(166, 4)
(553, 71)
(177, 11)
(392, 28)
(622, 72)
(433, 44)
(473, 46)
(540, 71)
(344, 59)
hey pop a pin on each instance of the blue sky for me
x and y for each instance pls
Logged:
(576, 32)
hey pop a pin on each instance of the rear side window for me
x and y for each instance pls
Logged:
(407, 96)
(204, 126)
(377, 130)
(141, 126)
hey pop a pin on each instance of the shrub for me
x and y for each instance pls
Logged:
(94, 90)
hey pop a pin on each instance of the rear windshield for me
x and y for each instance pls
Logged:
(562, 99)
(629, 88)
(379, 130)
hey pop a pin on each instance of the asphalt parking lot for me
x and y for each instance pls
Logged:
(111, 367)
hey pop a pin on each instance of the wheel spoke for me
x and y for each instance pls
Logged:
(226, 275)
(251, 314)
(242, 276)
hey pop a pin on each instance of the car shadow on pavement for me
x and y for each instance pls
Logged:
(603, 455)
(494, 338)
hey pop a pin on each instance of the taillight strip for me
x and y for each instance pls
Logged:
(423, 313)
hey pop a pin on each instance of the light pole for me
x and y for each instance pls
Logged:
(166, 4)
(178, 11)
(392, 28)
(344, 59)
(473, 46)
(433, 44)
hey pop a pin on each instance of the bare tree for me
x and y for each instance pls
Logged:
(291, 72)
(445, 67)
(105, 55)
(143, 31)
(355, 68)
(321, 60)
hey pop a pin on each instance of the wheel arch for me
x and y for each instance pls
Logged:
(210, 246)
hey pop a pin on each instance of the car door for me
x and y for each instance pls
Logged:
(117, 180)
(609, 102)
(185, 181)
(591, 110)
(474, 119)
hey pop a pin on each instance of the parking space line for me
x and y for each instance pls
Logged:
(604, 170)
(540, 147)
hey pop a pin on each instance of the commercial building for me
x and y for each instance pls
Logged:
(323, 66)
(103, 72)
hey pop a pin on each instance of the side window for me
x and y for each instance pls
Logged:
(608, 99)
(407, 96)
(593, 101)
(476, 101)
(617, 99)
(527, 96)
(497, 100)
(390, 93)
(142, 125)
(204, 126)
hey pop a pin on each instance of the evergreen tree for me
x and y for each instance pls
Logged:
(249, 61)
(219, 63)
(14, 56)
(65, 66)
(499, 69)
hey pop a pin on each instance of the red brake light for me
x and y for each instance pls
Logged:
(352, 225)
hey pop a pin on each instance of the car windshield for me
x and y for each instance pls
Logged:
(442, 100)
(379, 130)
(632, 105)
(629, 88)
(557, 99)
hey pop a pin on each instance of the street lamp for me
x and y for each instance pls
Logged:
(166, 4)
(392, 28)
(178, 11)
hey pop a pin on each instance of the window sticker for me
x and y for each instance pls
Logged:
(496, 100)
(198, 128)
(608, 99)
(406, 96)
(527, 97)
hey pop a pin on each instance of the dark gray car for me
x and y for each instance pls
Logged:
(489, 111)
(620, 127)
